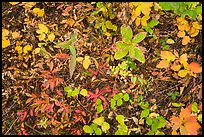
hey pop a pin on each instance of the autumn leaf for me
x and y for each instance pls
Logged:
(16, 35)
(42, 29)
(42, 37)
(167, 55)
(163, 64)
(175, 67)
(196, 25)
(38, 11)
(5, 43)
(181, 34)
(79, 59)
(86, 62)
(19, 49)
(27, 48)
(170, 41)
(51, 37)
(137, 22)
(61, 56)
(13, 3)
(185, 40)
(183, 60)
(182, 73)
(195, 67)
(5, 32)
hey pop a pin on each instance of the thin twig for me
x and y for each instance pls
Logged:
(11, 126)
(34, 129)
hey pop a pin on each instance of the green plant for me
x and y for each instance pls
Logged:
(173, 95)
(130, 45)
(118, 99)
(122, 128)
(149, 27)
(99, 105)
(75, 92)
(94, 128)
(191, 9)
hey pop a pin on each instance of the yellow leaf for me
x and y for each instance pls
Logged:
(181, 34)
(79, 59)
(70, 22)
(196, 25)
(170, 41)
(51, 37)
(40, 44)
(144, 20)
(176, 67)
(41, 13)
(5, 43)
(42, 36)
(163, 64)
(167, 55)
(27, 48)
(182, 73)
(137, 22)
(183, 60)
(146, 8)
(187, 27)
(42, 29)
(19, 49)
(185, 40)
(5, 32)
(107, 34)
(181, 27)
(174, 132)
(36, 10)
(195, 33)
(16, 35)
(37, 50)
(13, 3)
(195, 67)
(86, 62)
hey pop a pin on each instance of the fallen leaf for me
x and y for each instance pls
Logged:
(167, 55)
(195, 67)
(163, 64)
(185, 40)
(51, 37)
(62, 56)
(38, 11)
(27, 48)
(70, 22)
(86, 62)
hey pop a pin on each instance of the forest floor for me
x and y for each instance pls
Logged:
(62, 71)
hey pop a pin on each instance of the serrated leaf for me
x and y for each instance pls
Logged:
(105, 127)
(144, 113)
(86, 62)
(182, 73)
(139, 37)
(120, 119)
(195, 67)
(72, 66)
(126, 97)
(139, 55)
(121, 53)
(84, 92)
(98, 121)
(163, 64)
(87, 129)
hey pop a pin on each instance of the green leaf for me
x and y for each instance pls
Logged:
(98, 101)
(114, 27)
(194, 107)
(131, 51)
(198, 10)
(144, 113)
(75, 92)
(165, 5)
(98, 131)
(121, 45)
(148, 121)
(139, 55)
(153, 23)
(162, 122)
(126, 33)
(119, 102)
(105, 127)
(68, 89)
(98, 121)
(73, 51)
(113, 103)
(64, 45)
(104, 28)
(139, 37)
(155, 125)
(116, 97)
(94, 126)
(190, 13)
(200, 118)
(87, 129)
(109, 25)
(84, 92)
(126, 97)
(176, 104)
(99, 108)
(121, 53)
(120, 119)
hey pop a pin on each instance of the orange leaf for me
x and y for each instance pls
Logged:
(163, 64)
(192, 125)
(183, 60)
(175, 122)
(181, 34)
(175, 67)
(167, 55)
(183, 131)
(185, 40)
(195, 67)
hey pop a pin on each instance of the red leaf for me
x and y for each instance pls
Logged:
(66, 110)
(62, 56)
(59, 93)
(24, 114)
(31, 112)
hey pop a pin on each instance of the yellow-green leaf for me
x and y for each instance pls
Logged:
(42, 36)
(170, 41)
(37, 50)
(105, 127)
(182, 73)
(84, 92)
(86, 62)
(99, 121)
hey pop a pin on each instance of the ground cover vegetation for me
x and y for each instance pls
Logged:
(102, 68)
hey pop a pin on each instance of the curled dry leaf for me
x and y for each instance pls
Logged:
(195, 67)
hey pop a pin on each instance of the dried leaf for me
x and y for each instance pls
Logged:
(185, 40)
(72, 66)
(16, 35)
(163, 64)
(195, 67)
(62, 56)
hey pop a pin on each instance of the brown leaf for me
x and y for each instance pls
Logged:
(195, 67)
